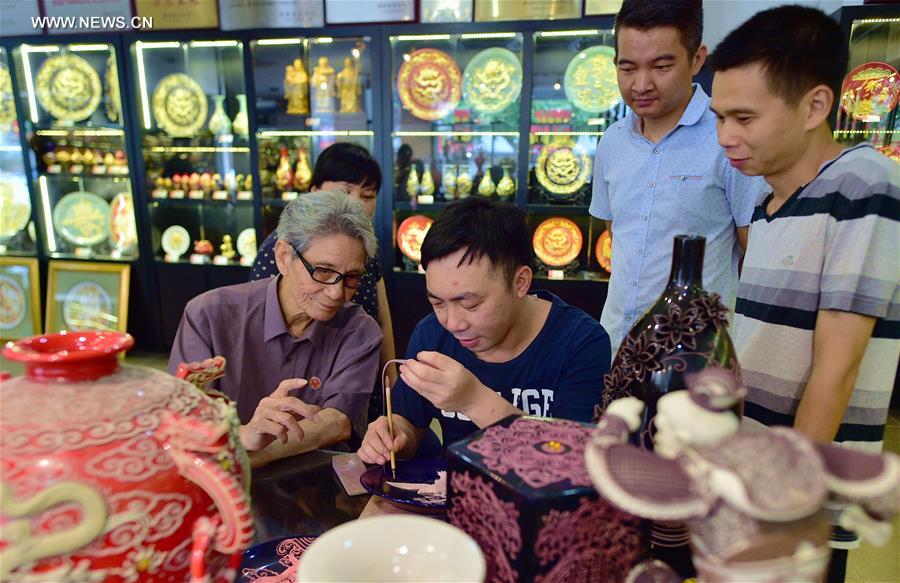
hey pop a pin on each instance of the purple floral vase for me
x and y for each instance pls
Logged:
(682, 333)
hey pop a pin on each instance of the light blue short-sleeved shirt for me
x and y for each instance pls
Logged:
(654, 191)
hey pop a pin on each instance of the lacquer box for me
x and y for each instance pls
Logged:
(521, 490)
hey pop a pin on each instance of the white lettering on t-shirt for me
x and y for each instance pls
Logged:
(533, 401)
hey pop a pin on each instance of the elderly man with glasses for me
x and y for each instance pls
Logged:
(302, 360)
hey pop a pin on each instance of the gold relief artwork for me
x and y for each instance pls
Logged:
(590, 81)
(87, 306)
(82, 218)
(429, 84)
(322, 87)
(15, 206)
(68, 87)
(13, 303)
(7, 103)
(179, 105)
(296, 88)
(557, 241)
(562, 169)
(113, 103)
(348, 86)
(493, 80)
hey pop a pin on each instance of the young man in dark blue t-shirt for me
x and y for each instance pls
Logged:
(490, 349)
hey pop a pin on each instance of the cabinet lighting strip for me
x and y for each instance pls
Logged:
(174, 44)
(190, 149)
(88, 48)
(567, 133)
(408, 37)
(92, 133)
(139, 47)
(45, 49)
(214, 43)
(29, 83)
(451, 134)
(479, 35)
(875, 20)
(271, 42)
(278, 133)
(562, 33)
(324, 40)
(45, 202)
(860, 132)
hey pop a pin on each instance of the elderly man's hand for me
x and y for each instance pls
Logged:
(276, 416)
(446, 383)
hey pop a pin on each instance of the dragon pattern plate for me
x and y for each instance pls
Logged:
(492, 80)
(82, 218)
(411, 234)
(590, 82)
(15, 206)
(429, 84)
(557, 241)
(179, 105)
(7, 102)
(13, 303)
(562, 168)
(68, 87)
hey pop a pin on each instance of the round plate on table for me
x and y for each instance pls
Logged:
(871, 91)
(179, 105)
(13, 303)
(68, 87)
(590, 82)
(15, 206)
(122, 230)
(176, 240)
(557, 241)
(429, 84)
(411, 234)
(603, 250)
(82, 218)
(378, 481)
(275, 561)
(492, 80)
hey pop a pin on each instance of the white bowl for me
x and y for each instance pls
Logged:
(393, 548)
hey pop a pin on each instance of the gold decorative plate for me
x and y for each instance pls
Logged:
(411, 234)
(179, 105)
(590, 82)
(15, 206)
(603, 251)
(68, 87)
(82, 218)
(557, 241)
(13, 303)
(492, 80)
(429, 84)
(7, 103)
(562, 168)
(870, 91)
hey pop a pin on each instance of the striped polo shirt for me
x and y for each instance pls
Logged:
(834, 245)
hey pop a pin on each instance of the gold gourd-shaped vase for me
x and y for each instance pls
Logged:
(426, 186)
(302, 172)
(506, 187)
(448, 181)
(412, 183)
(486, 187)
(283, 175)
(463, 182)
(241, 123)
(219, 124)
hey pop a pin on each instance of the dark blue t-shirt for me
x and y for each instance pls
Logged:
(559, 375)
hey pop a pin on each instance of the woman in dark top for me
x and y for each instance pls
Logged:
(351, 169)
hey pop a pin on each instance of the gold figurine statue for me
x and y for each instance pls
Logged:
(322, 87)
(226, 248)
(296, 88)
(348, 86)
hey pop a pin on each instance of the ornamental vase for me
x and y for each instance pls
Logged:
(219, 124)
(117, 473)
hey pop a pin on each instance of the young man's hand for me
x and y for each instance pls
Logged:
(376, 445)
(446, 383)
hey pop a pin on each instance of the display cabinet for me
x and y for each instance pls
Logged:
(17, 231)
(197, 177)
(81, 176)
(310, 93)
(867, 110)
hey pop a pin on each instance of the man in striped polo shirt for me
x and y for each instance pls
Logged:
(816, 325)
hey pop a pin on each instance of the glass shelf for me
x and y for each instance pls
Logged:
(17, 231)
(195, 138)
(78, 151)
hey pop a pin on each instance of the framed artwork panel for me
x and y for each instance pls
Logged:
(87, 296)
(20, 298)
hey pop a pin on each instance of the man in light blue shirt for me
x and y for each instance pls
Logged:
(659, 171)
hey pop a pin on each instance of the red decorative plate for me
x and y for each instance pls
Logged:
(870, 91)
(411, 234)
(557, 241)
(429, 84)
(603, 250)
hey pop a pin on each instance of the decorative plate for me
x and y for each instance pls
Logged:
(87, 306)
(122, 230)
(13, 303)
(113, 99)
(492, 80)
(15, 205)
(603, 250)
(68, 87)
(7, 103)
(246, 243)
(176, 240)
(411, 234)
(562, 168)
(590, 82)
(429, 84)
(557, 241)
(82, 218)
(275, 561)
(405, 491)
(870, 91)
(179, 105)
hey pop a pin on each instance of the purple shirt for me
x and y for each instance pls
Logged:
(245, 324)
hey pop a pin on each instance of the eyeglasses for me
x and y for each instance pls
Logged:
(330, 276)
